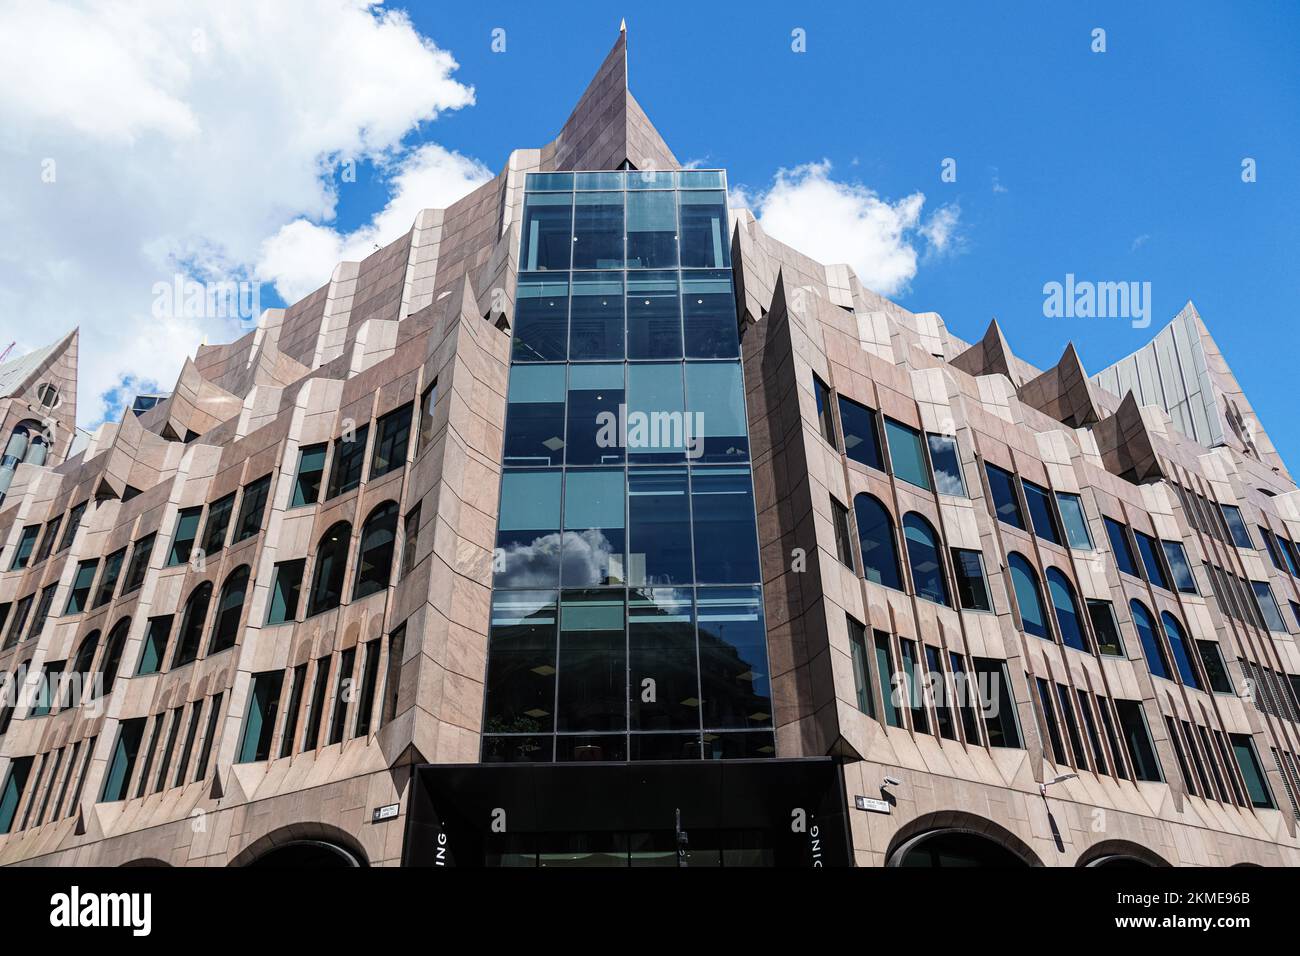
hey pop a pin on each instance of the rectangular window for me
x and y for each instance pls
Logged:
(942, 707)
(913, 692)
(1273, 548)
(392, 439)
(535, 416)
(726, 536)
(595, 392)
(43, 607)
(81, 582)
(1090, 725)
(1049, 718)
(1071, 726)
(1120, 547)
(252, 509)
(843, 536)
(209, 737)
(108, 580)
(1041, 512)
(410, 540)
(51, 535)
(905, 454)
(1237, 527)
(286, 588)
(885, 676)
(259, 720)
(997, 702)
(825, 419)
(1268, 606)
(946, 462)
(342, 695)
(529, 515)
(594, 503)
(1108, 724)
(592, 681)
(316, 711)
(187, 529)
(1215, 668)
(349, 457)
(23, 553)
(369, 678)
(972, 590)
(393, 675)
(1137, 737)
(547, 232)
(710, 316)
(598, 230)
(19, 621)
(12, 795)
(596, 328)
(861, 673)
(1002, 489)
(74, 523)
(139, 565)
(705, 239)
(1151, 552)
(122, 762)
(155, 644)
(298, 682)
(654, 316)
(1179, 567)
(49, 696)
(715, 394)
(1075, 521)
(541, 318)
(311, 466)
(861, 434)
(966, 692)
(652, 230)
(196, 711)
(1226, 756)
(214, 532)
(1251, 772)
(428, 399)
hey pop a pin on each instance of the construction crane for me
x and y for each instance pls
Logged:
(8, 348)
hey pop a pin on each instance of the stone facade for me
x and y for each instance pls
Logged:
(424, 323)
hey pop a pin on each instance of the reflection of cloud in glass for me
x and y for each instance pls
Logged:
(584, 556)
(949, 484)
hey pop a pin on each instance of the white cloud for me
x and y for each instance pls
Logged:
(181, 137)
(301, 255)
(836, 222)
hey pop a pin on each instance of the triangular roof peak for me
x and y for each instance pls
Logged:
(608, 129)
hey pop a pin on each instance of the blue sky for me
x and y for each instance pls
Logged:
(1115, 166)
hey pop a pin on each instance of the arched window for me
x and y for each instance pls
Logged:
(331, 564)
(192, 620)
(923, 558)
(1178, 642)
(876, 535)
(375, 557)
(225, 628)
(113, 649)
(1067, 610)
(1028, 596)
(1157, 663)
(86, 654)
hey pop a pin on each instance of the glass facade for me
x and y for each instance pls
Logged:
(627, 613)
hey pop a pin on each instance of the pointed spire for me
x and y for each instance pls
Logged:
(1063, 392)
(990, 355)
(622, 25)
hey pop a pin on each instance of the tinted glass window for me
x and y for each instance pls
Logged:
(331, 567)
(1067, 610)
(1106, 627)
(1150, 552)
(706, 243)
(654, 316)
(652, 230)
(598, 230)
(349, 457)
(861, 671)
(905, 453)
(1179, 566)
(659, 527)
(392, 438)
(1041, 512)
(715, 399)
(710, 311)
(593, 540)
(665, 689)
(192, 621)
(547, 238)
(657, 430)
(972, 590)
(861, 439)
(1215, 669)
(1076, 523)
(825, 418)
(225, 628)
(1157, 663)
(252, 508)
(592, 693)
(1002, 487)
(528, 530)
(1120, 547)
(596, 316)
(1182, 653)
(1268, 606)
(286, 587)
(885, 675)
(541, 319)
(1256, 787)
(733, 658)
(923, 557)
(376, 549)
(108, 580)
(1025, 583)
(1141, 752)
(1237, 527)
(535, 416)
(947, 465)
(214, 532)
(187, 529)
(876, 541)
(311, 465)
(726, 539)
(595, 394)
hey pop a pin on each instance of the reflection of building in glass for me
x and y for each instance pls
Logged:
(434, 543)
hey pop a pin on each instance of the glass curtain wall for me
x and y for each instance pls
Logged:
(627, 612)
